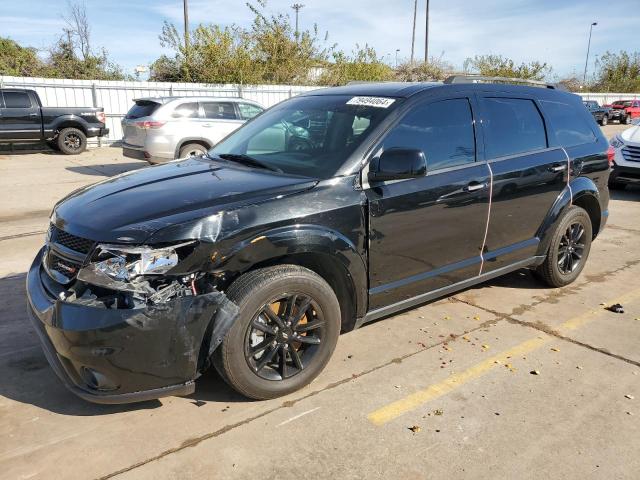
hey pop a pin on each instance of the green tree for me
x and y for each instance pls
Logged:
(499, 66)
(618, 72)
(363, 65)
(19, 61)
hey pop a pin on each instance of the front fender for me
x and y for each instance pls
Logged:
(578, 190)
(296, 240)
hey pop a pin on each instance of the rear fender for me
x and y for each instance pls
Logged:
(581, 191)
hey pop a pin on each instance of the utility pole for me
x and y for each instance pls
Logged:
(426, 36)
(297, 7)
(586, 63)
(413, 36)
(186, 24)
(397, 51)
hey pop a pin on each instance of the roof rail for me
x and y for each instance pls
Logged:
(485, 79)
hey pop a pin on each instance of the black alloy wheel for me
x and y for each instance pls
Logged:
(71, 141)
(571, 248)
(284, 337)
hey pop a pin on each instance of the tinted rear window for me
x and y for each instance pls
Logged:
(511, 126)
(16, 100)
(570, 125)
(142, 108)
(219, 110)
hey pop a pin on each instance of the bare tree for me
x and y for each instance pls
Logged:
(78, 27)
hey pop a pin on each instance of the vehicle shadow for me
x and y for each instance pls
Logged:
(27, 148)
(26, 377)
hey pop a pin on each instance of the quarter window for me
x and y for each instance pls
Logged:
(442, 130)
(186, 110)
(511, 126)
(219, 110)
(248, 111)
(16, 100)
(570, 126)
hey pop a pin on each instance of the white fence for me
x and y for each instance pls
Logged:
(116, 97)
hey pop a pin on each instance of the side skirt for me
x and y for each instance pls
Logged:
(441, 292)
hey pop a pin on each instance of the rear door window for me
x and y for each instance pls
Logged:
(443, 130)
(142, 108)
(248, 111)
(187, 110)
(512, 126)
(571, 128)
(218, 110)
(16, 100)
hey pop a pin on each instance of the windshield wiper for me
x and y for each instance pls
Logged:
(247, 160)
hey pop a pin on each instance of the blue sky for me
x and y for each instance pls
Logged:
(554, 31)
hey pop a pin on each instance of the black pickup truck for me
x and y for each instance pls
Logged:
(24, 119)
(602, 115)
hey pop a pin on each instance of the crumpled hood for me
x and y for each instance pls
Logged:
(130, 207)
(631, 135)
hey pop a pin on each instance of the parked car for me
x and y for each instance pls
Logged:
(165, 128)
(625, 110)
(23, 119)
(626, 166)
(600, 114)
(332, 209)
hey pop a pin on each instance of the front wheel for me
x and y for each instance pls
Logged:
(627, 120)
(286, 331)
(604, 121)
(192, 150)
(569, 249)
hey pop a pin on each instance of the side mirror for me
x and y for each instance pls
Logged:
(398, 164)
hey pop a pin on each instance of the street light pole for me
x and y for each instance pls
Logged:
(413, 35)
(586, 63)
(426, 36)
(397, 51)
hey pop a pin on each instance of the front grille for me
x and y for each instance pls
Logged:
(631, 154)
(77, 244)
(61, 269)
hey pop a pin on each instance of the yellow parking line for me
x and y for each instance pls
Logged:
(413, 401)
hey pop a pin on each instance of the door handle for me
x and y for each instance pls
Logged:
(33, 114)
(557, 168)
(474, 186)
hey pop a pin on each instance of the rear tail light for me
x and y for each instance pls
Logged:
(150, 124)
(101, 117)
(611, 153)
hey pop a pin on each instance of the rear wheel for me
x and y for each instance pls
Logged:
(287, 328)
(604, 121)
(569, 249)
(72, 141)
(192, 150)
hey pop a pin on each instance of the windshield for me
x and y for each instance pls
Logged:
(622, 103)
(310, 136)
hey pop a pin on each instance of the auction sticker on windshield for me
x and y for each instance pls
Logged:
(379, 102)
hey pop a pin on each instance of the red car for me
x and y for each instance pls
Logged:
(625, 110)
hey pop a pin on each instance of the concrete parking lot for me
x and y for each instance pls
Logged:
(508, 379)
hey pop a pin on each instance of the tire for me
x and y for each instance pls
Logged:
(627, 120)
(192, 150)
(72, 141)
(604, 121)
(254, 293)
(552, 271)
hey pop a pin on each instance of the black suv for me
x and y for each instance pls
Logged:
(327, 211)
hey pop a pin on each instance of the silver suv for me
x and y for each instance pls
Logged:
(165, 128)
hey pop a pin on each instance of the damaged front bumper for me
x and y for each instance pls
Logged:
(116, 355)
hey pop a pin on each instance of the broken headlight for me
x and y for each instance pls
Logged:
(126, 263)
